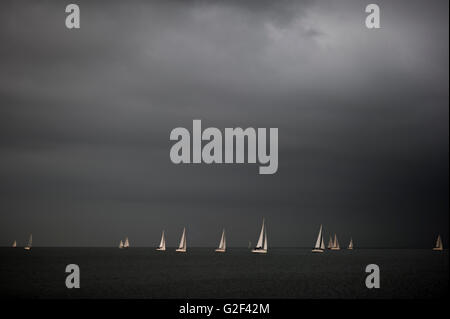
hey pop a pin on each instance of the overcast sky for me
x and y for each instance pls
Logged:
(85, 118)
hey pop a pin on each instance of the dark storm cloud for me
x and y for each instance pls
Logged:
(86, 116)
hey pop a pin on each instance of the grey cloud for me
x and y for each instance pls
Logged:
(363, 118)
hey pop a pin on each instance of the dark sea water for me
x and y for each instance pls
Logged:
(201, 273)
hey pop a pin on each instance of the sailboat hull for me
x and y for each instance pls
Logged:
(27, 248)
(438, 248)
(219, 250)
(180, 250)
(334, 248)
(160, 249)
(259, 251)
(317, 250)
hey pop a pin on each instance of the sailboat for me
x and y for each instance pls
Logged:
(249, 244)
(222, 244)
(350, 245)
(162, 244)
(30, 243)
(182, 247)
(261, 246)
(330, 243)
(439, 245)
(126, 244)
(14, 245)
(121, 244)
(320, 246)
(335, 243)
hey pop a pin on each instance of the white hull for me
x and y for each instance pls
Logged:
(27, 248)
(160, 249)
(317, 250)
(218, 250)
(259, 251)
(179, 250)
(438, 248)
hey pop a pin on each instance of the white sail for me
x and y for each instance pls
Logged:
(319, 239)
(126, 244)
(222, 243)
(182, 246)
(330, 243)
(14, 244)
(335, 243)
(183, 240)
(121, 244)
(162, 244)
(30, 243)
(350, 245)
(265, 241)
(439, 245)
(261, 246)
(261, 236)
(318, 248)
